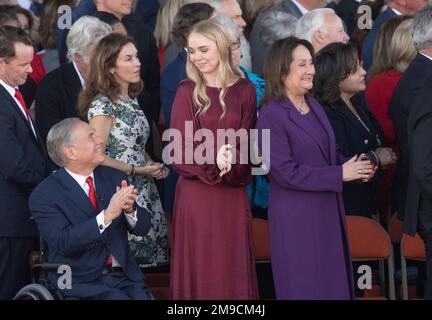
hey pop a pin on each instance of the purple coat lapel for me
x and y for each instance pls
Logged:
(316, 108)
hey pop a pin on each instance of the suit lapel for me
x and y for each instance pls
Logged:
(291, 8)
(16, 108)
(102, 192)
(75, 193)
(73, 85)
(297, 119)
(322, 117)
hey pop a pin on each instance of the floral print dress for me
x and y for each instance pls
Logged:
(126, 143)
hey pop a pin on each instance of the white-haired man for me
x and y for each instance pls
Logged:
(57, 94)
(321, 27)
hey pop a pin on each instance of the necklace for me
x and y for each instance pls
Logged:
(355, 113)
(300, 108)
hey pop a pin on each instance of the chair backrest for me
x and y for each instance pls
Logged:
(413, 248)
(260, 239)
(395, 229)
(367, 239)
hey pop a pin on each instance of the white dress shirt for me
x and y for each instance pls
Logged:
(131, 219)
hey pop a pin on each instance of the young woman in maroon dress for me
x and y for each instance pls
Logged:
(212, 256)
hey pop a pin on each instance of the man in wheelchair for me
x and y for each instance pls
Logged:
(83, 211)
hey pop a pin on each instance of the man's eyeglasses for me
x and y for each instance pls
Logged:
(235, 44)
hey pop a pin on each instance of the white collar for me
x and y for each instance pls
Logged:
(430, 58)
(81, 180)
(79, 74)
(302, 9)
(24, 4)
(398, 13)
(8, 88)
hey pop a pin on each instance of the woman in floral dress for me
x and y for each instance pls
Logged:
(109, 103)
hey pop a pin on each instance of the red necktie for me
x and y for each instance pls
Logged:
(93, 200)
(92, 193)
(20, 98)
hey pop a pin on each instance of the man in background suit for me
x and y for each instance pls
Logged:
(23, 162)
(295, 8)
(395, 7)
(57, 94)
(149, 97)
(407, 89)
(418, 216)
(84, 212)
(321, 27)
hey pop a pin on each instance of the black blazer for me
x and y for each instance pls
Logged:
(419, 132)
(352, 138)
(23, 164)
(406, 90)
(56, 98)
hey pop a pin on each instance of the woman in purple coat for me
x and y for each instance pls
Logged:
(308, 243)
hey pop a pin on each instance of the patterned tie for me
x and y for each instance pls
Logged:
(93, 200)
(20, 98)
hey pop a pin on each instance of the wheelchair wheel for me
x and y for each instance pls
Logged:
(33, 291)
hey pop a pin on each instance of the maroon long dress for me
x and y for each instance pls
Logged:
(212, 255)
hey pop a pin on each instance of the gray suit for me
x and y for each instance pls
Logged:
(258, 50)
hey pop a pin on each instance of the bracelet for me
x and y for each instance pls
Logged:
(133, 170)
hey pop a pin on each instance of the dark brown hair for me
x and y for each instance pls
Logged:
(277, 66)
(188, 16)
(8, 37)
(100, 80)
(18, 10)
(333, 64)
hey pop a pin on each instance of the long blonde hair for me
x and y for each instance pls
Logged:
(402, 49)
(227, 73)
(164, 22)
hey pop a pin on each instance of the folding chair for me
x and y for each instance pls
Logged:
(412, 248)
(369, 241)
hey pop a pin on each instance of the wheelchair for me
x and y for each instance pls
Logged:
(41, 287)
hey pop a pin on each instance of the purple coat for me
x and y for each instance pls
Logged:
(307, 227)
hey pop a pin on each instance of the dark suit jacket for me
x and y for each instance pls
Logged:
(352, 138)
(67, 221)
(23, 164)
(419, 193)
(56, 98)
(171, 77)
(150, 71)
(369, 42)
(347, 11)
(406, 90)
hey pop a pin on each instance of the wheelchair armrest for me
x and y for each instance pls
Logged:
(44, 267)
